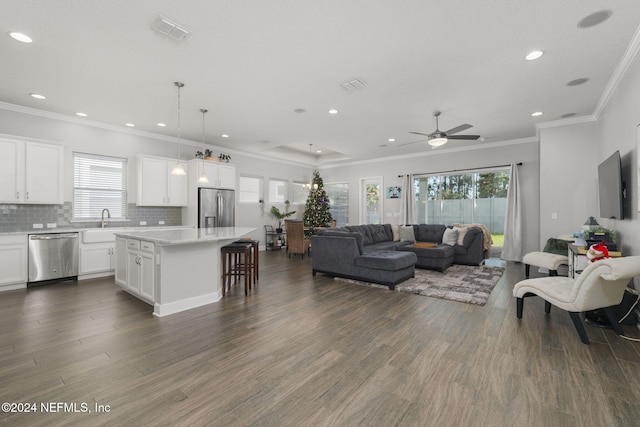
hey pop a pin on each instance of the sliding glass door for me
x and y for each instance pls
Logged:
(469, 198)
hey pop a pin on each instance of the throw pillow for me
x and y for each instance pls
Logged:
(450, 236)
(461, 233)
(407, 234)
(395, 230)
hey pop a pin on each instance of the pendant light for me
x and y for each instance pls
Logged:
(177, 168)
(203, 177)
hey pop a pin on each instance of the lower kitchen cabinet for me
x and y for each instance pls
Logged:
(140, 269)
(13, 261)
(97, 258)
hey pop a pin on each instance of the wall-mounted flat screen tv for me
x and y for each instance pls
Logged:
(611, 187)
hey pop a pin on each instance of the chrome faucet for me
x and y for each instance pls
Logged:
(104, 223)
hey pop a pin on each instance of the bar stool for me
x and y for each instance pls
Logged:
(236, 262)
(255, 258)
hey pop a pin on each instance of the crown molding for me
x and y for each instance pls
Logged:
(567, 121)
(626, 61)
(435, 152)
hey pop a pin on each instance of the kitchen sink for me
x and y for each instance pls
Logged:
(100, 235)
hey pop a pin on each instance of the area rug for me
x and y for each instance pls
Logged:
(463, 283)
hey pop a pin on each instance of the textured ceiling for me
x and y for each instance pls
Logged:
(253, 63)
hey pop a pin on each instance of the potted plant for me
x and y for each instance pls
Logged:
(207, 154)
(224, 158)
(280, 215)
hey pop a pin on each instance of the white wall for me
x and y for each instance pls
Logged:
(570, 154)
(78, 137)
(447, 160)
(568, 178)
(618, 130)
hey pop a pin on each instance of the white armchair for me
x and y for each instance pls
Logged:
(600, 285)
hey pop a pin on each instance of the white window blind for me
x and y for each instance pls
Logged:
(277, 191)
(250, 189)
(99, 182)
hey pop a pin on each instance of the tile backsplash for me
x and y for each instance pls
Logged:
(22, 217)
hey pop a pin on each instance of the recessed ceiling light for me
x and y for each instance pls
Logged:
(594, 19)
(162, 125)
(224, 135)
(534, 55)
(131, 125)
(20, 37)
(391, 140)
(81, 114)
(536, 114)
(318, 151)
(577, 82)
(332, 111)
(37, 96)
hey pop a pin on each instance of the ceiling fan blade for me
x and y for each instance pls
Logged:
(412, 142)
(459, 128)
(420, 133)
(466, 137)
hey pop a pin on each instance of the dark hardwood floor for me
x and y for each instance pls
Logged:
(305, 351)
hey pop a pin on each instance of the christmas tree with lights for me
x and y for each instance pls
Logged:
(316, 210)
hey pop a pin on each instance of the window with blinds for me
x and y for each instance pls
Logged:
(99, 182)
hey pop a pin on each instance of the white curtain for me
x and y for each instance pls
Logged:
(408, 207)
(512, 248)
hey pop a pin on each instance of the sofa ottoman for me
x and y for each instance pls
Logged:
(438, 258)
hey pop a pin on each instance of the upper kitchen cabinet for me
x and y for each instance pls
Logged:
(219, 175)
(157, 187)
(31, 172)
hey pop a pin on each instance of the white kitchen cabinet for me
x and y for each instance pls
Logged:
(140, 269)
(219, 175)
(31, 172)
(97, 258)
(157, 187)
(13, 261)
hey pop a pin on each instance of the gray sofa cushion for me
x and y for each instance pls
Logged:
(429, 232)
(380, 232)
(362, 229)
(385, 260)
(355, 235)
(385, 246)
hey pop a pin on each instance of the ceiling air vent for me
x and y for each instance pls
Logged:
(351, 85)
(170, 28)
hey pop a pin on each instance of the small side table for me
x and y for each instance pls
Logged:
(578, 259)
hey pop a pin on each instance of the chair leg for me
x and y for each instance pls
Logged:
(577, 322)
(519, 305)
(612, 319)
(526, 270)
(547, 307)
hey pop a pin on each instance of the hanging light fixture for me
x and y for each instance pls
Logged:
(177, 168)
(310, 184)
(203, 177)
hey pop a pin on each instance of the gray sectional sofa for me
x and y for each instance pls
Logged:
(370, 252)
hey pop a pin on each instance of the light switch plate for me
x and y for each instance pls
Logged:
(161, 222)
(143, 222)
(37, 225)
(51, 225)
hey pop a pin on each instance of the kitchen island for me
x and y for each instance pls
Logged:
(174, 270)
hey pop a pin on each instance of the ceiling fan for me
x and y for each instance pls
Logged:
(438, 138)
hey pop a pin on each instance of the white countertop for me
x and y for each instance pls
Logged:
(187, 235)
(81, 229)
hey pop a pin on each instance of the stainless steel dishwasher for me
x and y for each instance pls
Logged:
(52, 256)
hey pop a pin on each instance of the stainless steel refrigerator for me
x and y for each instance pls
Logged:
(216, 208)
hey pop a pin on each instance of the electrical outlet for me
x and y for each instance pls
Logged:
(554, 215)
(37, 225)
(143, 222)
